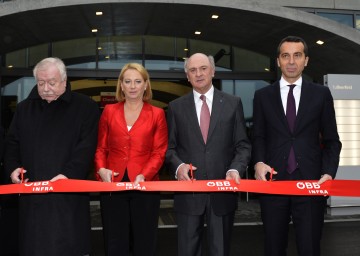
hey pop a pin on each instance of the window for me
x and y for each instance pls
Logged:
(347, 19)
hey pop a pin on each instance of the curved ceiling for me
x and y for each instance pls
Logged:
(258, 28)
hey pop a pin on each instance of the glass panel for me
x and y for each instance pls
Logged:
(181, 49)
(76, 51)
(27, 57)
(245, 89)
(119, 50)
(220, 52)
(228, 86)
(358, 21)
(347, 19)
(164, 53)
(159, 48)
(37, 53)
(16, 59)
(160, 53)
(248, 61)
(20, 88)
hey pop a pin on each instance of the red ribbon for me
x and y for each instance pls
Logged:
(304, 187)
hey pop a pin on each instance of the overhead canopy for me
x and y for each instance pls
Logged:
(255, 27)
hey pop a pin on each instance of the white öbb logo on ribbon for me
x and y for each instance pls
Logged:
(40, 186)
(130, 186)
(312, 187)
(222, 185)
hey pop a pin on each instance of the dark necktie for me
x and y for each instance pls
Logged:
(291, 116)
(204, 118)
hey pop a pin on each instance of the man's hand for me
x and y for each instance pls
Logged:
(261, 169)
(16, 175)
(58, 177)
(233, 175)
(183, 172)
(324, 178)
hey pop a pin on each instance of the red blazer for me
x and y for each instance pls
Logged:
(140, 150)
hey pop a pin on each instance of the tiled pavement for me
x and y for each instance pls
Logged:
(248, 213)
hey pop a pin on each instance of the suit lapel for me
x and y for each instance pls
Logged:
(217, 106)
(305, 96)
(190, 114)
(121, 115)
(278, 106)
(144, 115)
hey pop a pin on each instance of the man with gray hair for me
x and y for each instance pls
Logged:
(52, 136)
(206, 134)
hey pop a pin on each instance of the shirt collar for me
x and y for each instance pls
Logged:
(209, 94)
(284, 83)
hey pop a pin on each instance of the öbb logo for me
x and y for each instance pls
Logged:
(40, 186)
(222, 185)
(312, 187)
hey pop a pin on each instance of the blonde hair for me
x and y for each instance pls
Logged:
(120, 96)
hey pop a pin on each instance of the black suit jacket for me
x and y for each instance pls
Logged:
(315, 138)
(227, 148)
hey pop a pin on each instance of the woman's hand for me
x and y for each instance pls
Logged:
(106, 174)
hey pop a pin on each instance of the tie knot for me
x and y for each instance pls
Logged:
(202, 97)
(292, 86)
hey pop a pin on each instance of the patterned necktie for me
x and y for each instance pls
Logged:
(204, 118)
(291, 116)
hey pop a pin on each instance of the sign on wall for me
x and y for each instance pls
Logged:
(345, 90)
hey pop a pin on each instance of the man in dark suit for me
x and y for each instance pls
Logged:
(222, 153)
(300, 146)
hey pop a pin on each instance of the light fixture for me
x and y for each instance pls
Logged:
(319, 42)
(10, 66)
(99, 13)
(215, 16)
(99, 48)
(186, 49)
(197, 32)
(94, 30)
(267, 69)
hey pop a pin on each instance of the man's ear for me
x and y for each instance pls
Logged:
(306, 60)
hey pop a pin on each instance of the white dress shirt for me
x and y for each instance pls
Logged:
(284, 90)
(198, 102)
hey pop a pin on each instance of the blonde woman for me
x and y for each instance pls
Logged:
(132, 142)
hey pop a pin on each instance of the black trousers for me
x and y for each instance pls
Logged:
(130, 222)
(307, 215)
(191, 230)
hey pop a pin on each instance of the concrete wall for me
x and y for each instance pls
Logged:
(24, 5)
(326, 4)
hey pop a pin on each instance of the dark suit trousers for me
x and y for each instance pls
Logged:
(191, 229)
(130, 221)
(307, 215)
